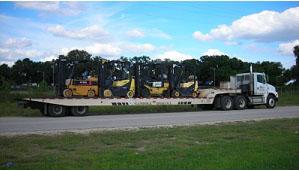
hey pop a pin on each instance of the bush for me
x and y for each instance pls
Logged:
(43, 86)
(4, 84)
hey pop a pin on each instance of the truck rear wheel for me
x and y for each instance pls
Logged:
(240, 102)
(56, 110)
(226, 103)
(79, 110)
(271, 102)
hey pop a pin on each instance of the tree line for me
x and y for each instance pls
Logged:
(26, 71)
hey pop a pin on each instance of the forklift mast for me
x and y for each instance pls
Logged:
(60, 84)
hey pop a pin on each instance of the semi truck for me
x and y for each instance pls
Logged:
(244, 90)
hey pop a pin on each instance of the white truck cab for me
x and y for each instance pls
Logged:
(255, 86)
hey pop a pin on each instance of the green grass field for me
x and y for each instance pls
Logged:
(268, 144)
(8, 105)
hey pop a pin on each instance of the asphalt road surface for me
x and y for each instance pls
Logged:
(40, 124)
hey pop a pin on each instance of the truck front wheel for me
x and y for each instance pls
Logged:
(271, 102)
(226, 103)
(56, 110)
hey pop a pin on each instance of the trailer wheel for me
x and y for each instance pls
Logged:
(145, 92)
(240, 102)
(91, 93)
(67, 93)
(79, 110)
(271, 102)
(226, 103)
(56, 110)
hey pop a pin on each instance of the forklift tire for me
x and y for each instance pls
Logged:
(67, 93)
(240, 102)
(130, 94)
(79, 110)
(145, 93)
(91, 93)
(56, 110)
(194, 94)
(176, 94)
(226, 103)
(271, 102)
(107, 93)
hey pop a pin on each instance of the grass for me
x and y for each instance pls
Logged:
(268, 144)
(8, 105)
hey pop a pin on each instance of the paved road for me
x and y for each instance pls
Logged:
(31, 124)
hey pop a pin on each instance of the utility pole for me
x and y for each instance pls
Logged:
(53, 75)
(214, 77)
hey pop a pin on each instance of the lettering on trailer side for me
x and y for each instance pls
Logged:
(143, 103)
(163, 103)
(119, 103)
(184, 102)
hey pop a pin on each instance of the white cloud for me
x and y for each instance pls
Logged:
(287, 48)
(104, 50)
(135, 34)
(173, 55)
(48, 58)
(9, 63)
(213, 52)
(16, 54)
(58, 8)
(138, 48)
(159, 34)
(91, 33)
(16, 43)
(202, 37)
(232, 43)
(266, 26)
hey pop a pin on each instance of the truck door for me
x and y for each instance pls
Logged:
(261, 87)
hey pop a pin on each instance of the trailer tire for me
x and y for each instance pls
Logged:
(56, 110)
(145, 93)
(271, 102)
(79, 110)
(226, 103)
(240, 102)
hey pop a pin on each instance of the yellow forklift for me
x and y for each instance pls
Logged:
(154, 82)
(85, 85)
(184, 82)
(120, 82)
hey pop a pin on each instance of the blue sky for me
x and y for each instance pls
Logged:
(251, 31)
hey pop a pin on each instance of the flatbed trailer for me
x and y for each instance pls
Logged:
(224, 99)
